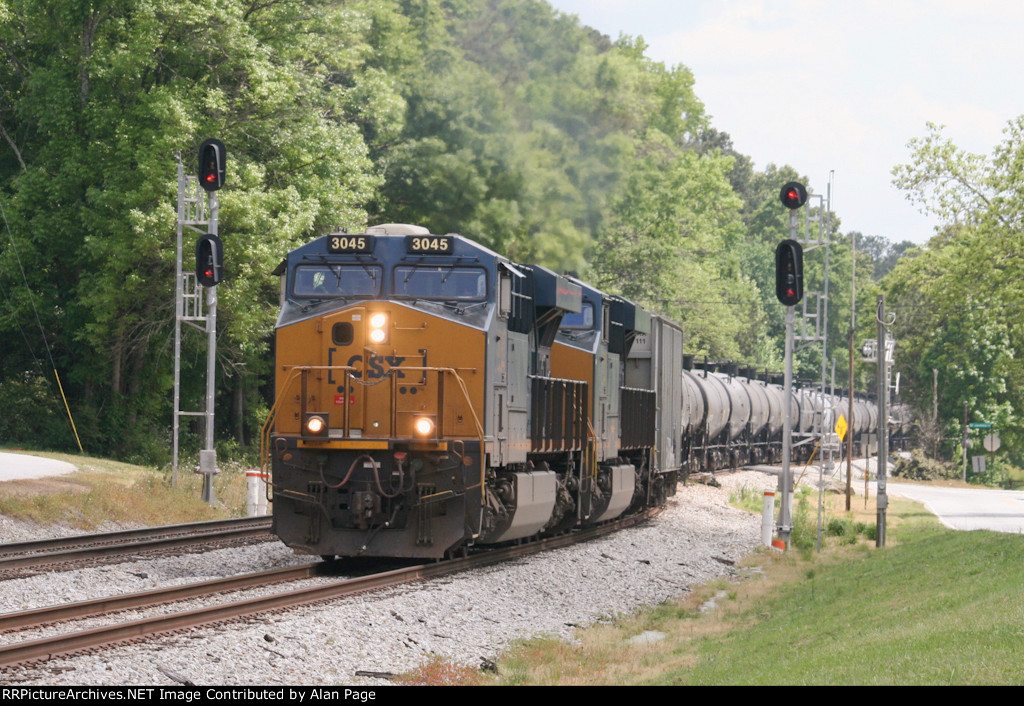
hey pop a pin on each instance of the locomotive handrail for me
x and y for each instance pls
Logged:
(295, 372)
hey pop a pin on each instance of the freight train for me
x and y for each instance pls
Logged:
(432, 395)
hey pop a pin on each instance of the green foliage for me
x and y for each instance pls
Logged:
(957, 299)
(839, 527)
(921, 467)
(96, 100)
(804, 536)
(39, 419)
(998, 474)
(750, 499)
(896, 616)
(500, 119)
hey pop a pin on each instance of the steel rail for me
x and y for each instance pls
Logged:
(17, 555)
(37, 617)
(66, 644)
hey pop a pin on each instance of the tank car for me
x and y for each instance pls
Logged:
(901, 427)
(432, 395)
(732, 418)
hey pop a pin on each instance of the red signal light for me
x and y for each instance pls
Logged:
(793, 195)
(212, 164)
(209, 260)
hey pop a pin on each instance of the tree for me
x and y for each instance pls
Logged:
(95, 101)
(958, 300)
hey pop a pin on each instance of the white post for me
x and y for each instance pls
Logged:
(252, 492)
(768, 518)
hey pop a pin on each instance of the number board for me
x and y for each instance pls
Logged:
(427, 244)
(341, 243)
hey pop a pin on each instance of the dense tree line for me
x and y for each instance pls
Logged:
(500, 119)
(959, 301)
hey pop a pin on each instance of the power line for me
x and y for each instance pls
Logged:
(42, 332)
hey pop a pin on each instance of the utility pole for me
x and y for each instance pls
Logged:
(853, 323)
(885, 358)
(964, 443)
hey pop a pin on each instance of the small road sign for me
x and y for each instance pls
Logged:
(841, 427)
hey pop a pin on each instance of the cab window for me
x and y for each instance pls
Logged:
(584, 319)
(445, 283)
(322, 281)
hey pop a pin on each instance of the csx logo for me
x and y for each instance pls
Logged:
(376, 368)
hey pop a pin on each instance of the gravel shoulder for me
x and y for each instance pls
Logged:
(466, 618)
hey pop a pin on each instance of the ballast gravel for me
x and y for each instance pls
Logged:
(467, 618)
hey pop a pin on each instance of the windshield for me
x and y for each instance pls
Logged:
(447, 283)
(322, 281)
(582, 320)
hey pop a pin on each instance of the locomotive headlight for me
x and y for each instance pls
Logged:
(424, 426)
(378, 328)
(315, 425)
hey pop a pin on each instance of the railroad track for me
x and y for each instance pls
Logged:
(46, 648)
(46, 552)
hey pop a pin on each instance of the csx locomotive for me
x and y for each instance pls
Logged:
(432, 395)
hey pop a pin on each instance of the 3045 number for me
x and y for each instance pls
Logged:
(349, 243)
(429, 244)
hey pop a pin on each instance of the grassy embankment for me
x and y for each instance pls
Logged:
(104, 491)
(933, 607)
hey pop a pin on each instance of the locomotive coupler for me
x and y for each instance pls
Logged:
(364, 506)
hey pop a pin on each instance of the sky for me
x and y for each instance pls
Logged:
(839, 88)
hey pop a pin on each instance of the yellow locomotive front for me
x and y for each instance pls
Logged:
(376, 441)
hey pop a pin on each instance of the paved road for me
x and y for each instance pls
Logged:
(968, 508)
(956, 508)
(21, 466)
(961, 508)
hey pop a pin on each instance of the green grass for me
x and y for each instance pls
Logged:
(941, 608)
(933, 607)
(104, 491)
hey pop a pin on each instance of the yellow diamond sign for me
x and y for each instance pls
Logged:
(841, 427)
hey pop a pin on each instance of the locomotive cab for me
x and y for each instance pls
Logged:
(378, 431)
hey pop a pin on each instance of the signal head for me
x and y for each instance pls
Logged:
(793, 195)
(209, 260)
(212, 164)
(789, 272)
